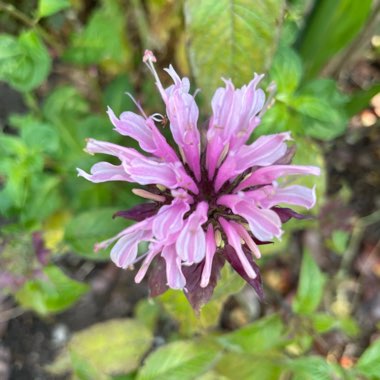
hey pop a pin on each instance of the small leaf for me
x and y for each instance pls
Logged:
(323, 322)
(24, 62)
(369, 362)
(53, 294)
(49, 7)
(91, 227)
(185, 360)
(310, 287)
(231, 38)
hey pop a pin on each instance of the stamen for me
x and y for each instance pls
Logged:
(148, 59)
(161, 187)
(218, 238)
(148, 195)
(223, 155)
(137, 104)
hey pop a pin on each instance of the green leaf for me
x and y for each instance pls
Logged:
(112, 347)
(147, 311)
(185, 360)
(49, 7)
(310, 287)
(178, 307)
(369, 362)
(231, 38)
(361, 99)
(311, 368)
(103, 38)
(240, 366)
(331, 26)
(90, 227)
(36, 133)
(24, 62)
(115, 94)
(323, 322)
(52, 294)
(264, 335)
(286, 70)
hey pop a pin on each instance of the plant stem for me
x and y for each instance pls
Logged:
(25, 19)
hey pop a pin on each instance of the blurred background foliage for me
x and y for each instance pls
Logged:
(65, 311)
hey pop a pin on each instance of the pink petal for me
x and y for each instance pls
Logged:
(264, 151)
(176, 279)
(267, 175)
(191, 242)
(293, 195)
(169, 219)
(210, 252)
(183, 115)
(233, 238)
(104, 172)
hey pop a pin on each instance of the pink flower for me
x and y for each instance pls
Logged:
(213, 197)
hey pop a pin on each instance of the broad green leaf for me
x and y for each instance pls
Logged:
(49, 7)
(52, 294)
(103, 38)
(24, 61)
(331, 26)
(311, 368)
(240, 366)
(185, 360)
(112, 347)
(91, 227)
(231, 38)
(369, 363)
(310, 286)
(262, 336)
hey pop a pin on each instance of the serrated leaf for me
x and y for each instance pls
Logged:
(50, 7)
(91, 227)
(262, 336)
(310, 287)
(24, 61)
(101, 40)
(231, 38)
(311, 368)
(185, 360)
(52, 294)
(369, 363)
(286, 70)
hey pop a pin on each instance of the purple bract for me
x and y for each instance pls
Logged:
(213, 197)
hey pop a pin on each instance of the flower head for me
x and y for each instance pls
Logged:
(213, 197)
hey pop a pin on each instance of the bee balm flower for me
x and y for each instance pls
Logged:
(213, 197)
